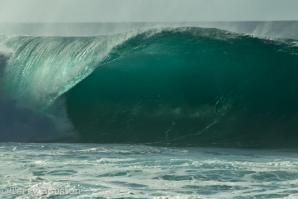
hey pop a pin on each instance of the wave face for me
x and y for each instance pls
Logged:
(43, 68)
(177, 87)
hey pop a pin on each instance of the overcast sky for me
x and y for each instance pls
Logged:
(146, 10)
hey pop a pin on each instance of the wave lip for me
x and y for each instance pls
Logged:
(43, 68)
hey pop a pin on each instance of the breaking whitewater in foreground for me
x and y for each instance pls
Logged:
(135, 171)
(165, 86)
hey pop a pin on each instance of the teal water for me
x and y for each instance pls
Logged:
(191, 87)
(162, 86)
(132, 110)
(138, 171)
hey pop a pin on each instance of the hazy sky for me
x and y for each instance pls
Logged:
(146, 10)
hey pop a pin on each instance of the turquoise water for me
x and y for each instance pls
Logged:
(126, 115)
(138, 171)
(185, 86)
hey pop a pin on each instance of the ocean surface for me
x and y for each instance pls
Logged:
(124, 110)
(138, 171)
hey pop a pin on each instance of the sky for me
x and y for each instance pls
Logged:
(28, 11)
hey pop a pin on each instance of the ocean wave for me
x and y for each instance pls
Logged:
(166, 86)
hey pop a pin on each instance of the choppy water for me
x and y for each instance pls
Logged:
(138, 171)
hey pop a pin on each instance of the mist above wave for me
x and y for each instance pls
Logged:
(271, 29)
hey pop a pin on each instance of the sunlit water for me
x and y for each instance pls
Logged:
(137, 171)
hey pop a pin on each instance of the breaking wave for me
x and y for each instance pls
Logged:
(170, 86)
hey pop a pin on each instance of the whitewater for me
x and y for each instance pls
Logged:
(131, 111)
(136, 171)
